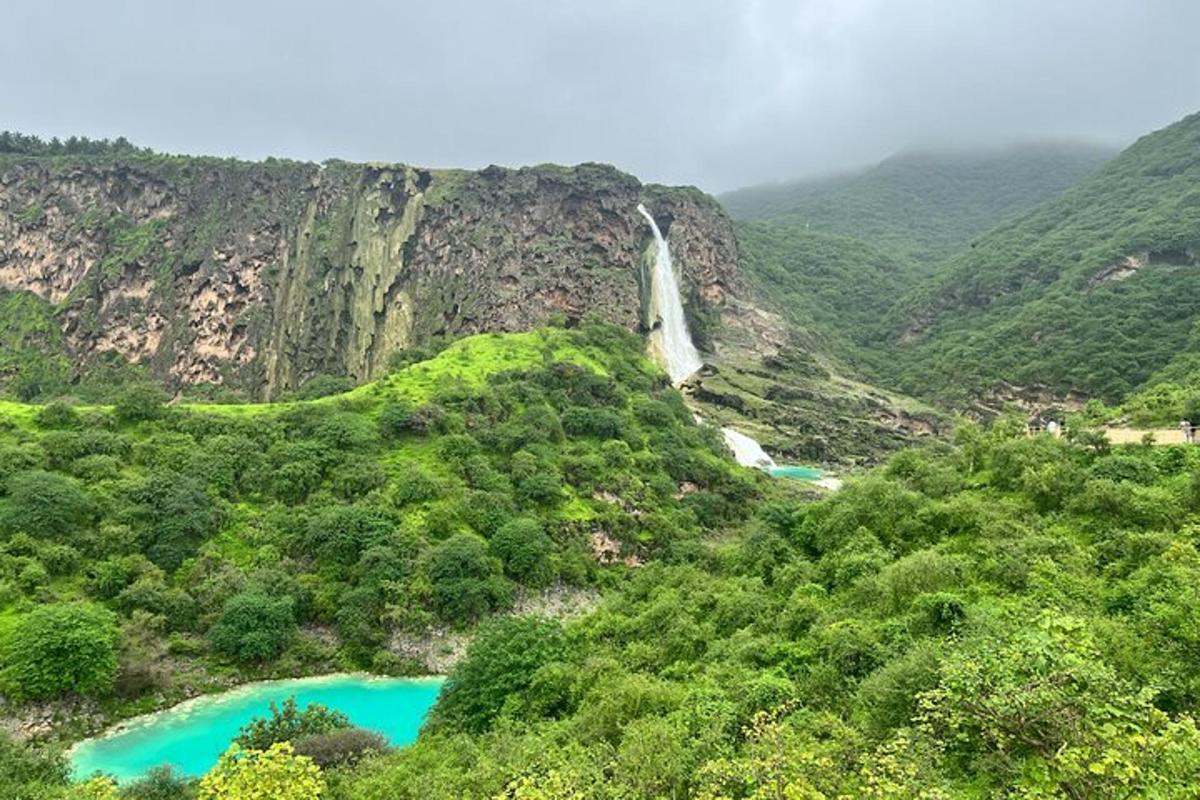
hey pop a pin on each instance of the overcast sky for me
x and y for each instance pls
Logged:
(718, 93)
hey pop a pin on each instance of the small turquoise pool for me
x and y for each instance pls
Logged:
(192, 735)
(798, 473)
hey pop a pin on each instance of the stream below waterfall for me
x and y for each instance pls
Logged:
(671, 345)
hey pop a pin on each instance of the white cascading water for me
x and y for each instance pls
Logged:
(671, 339)
(746, 451)
(672, 344)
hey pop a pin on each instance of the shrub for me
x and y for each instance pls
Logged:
(160, 783)
(465, 580)
(340, 534)
(254, 627)
(44, 504)
(289, 723)
(177, 515)
(59, 648)
(525, 549)
(397, 418)
(599, 422)
(414, 485)
(25, 769)
(324, 386)
(256, 774)
(57, 416)
(140, 402)
(340, 748)
(358, 477)
(500, 661)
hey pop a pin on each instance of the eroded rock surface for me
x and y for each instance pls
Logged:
(258, 276)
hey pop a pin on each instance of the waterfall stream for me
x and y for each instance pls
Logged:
(670, 339)
(671, 344)
(746, 451)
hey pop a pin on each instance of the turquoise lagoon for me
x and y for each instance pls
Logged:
(797, 473)
(192, 735)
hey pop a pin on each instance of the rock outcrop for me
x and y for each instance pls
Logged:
(258, 276)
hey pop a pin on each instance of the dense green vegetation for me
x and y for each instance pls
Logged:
(833, 289)
(1004, 616)
(996, 616)
(28, 145)
(1011, 616)
(835, 256)
(146, 547)
(921, 205)
(1035, 301)
(1091, 291)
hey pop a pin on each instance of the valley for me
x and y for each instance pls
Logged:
(665, 496)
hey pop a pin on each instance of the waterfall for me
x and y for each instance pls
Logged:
(746, 451)
(670, 341)
(671, 344)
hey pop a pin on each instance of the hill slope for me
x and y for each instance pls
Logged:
(923, 204)
(1092, 291)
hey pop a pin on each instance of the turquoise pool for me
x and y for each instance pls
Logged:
(192, 735)
(799, 473)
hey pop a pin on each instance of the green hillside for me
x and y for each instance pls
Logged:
(1013, 617)
(834, 289)
(834, 256)
(924, 204)
(1092, 291)
(211, 541)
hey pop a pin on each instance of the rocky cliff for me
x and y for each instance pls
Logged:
(258, 276)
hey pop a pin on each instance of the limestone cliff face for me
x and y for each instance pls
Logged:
(259, 276)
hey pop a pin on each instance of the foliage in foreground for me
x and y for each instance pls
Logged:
(135, 536)
(1009, 617)
(276, 772)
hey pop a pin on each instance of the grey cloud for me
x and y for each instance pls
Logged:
(711, 92)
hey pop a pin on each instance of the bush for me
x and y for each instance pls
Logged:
(340, 534)
(414, 485)
(60, 648)
(290, 723)
(358, 477)
(139, 403)
(160, 783)
(26, 770)
(57, 416)
(525, 549)
(45, 504)
(500, 661)
(465, 579)
(340, 748)
(254, 627)
(324, 386)
(256, 774)
(397, 418)
(177, 515)
(599, 422)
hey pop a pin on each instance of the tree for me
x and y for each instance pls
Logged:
(466, 581)
(500, 661)
(177, 514)
(140, 402)
(64, 647)
(26, 771)
(276, 772)
(525, 549)
(254, 627)
(289, 723)
(44, 504)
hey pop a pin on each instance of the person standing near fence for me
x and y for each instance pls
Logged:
(1189, 433)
